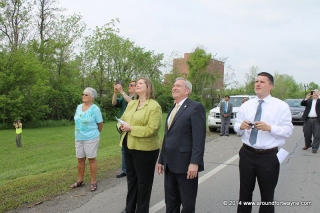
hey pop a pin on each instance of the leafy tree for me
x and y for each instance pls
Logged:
(285, 87)
(197, 65)
(313, 85)
(57, 40)
(15, 23)
(46, 16)
(107, 57)
(250, 78)
(23, 87)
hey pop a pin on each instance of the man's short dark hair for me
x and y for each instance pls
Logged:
(268, 75)
(227, 96)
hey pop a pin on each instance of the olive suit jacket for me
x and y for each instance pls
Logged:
(184, 142)
(145, 124)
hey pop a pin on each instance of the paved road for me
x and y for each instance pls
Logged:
(219, 184)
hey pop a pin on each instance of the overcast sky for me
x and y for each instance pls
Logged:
(275, 35)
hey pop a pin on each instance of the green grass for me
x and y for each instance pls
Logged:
(46, 164)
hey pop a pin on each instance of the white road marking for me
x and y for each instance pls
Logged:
(161, 204)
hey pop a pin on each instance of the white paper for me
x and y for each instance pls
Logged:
(282, 154)
(119, 120)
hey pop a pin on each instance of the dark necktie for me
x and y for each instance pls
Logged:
(254, 131)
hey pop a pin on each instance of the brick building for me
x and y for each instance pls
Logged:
(216, 67)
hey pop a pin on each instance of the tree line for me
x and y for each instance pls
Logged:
(46, 61)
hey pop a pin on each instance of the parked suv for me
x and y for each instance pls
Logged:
(214, 117)
(296, 109)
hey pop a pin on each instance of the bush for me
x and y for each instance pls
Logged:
(195, 97)
(165, 101)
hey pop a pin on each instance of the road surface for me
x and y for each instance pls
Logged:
(297, 189)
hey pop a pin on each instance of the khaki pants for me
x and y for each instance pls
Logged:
(18, 140)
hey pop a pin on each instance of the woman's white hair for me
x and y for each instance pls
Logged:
(93, 93)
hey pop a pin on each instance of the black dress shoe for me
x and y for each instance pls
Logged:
(121, 175)
(314, 151)
(226, 134)
(124, 210)
(305, 148)
(221, 134)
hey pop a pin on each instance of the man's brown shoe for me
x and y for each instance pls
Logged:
(305, 148)
(314, 151)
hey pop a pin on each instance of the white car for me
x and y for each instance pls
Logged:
(214, 119)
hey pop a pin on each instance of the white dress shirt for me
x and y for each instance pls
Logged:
(313, 113)
(275, 113)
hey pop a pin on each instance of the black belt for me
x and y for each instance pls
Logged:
(312, 117)
(260, 151)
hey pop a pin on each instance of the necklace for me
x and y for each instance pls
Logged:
(140, 105)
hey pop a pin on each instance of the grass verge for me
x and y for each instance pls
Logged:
(46, 164)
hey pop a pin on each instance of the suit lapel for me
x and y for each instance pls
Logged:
(180, 111)
(166, 124)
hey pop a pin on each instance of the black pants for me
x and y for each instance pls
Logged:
(311, 127)
(263, 167)
(140, 167)
(180, 190)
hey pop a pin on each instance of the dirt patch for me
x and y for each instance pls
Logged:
(72, 199)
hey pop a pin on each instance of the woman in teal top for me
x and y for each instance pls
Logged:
(88, 125)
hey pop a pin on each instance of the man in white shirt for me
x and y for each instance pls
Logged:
(311, 117)
(263, 124)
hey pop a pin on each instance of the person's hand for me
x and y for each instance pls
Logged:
(119, 88)
(260, 125)
(115, 90)
(308, 95)
(159, 169)
(125, 127)
(245, 125)
(192, 171)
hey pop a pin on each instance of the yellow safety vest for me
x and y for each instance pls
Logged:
(19, 130)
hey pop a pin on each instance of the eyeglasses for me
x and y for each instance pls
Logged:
(85, 95)
(132, 85)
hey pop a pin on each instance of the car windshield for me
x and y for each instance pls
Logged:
(294, 103)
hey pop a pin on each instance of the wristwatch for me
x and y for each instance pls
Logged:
(123, 93)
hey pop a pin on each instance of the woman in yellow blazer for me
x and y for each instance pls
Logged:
(140, 139)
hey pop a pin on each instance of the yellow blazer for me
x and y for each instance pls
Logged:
(145, 124)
